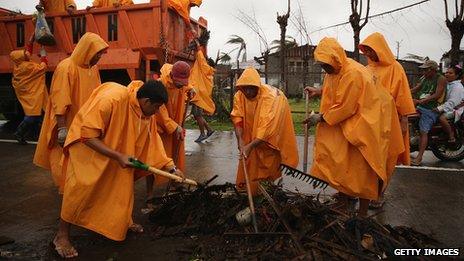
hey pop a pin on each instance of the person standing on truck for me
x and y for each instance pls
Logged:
(52, 6)
(113, 126)
(264, 130)
(73, 81)
(390, 74)
(358, 129)
(182, 7)
(170, 118)
(29, 85)
(109, 3)
(201, 78)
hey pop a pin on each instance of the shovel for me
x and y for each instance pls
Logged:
(140, 165)
(250, 197)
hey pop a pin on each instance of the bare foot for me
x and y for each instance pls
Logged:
(63, 247)
(136, 228)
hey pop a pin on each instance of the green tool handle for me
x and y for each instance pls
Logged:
(140, 165)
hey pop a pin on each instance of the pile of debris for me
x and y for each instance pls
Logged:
(291, 225)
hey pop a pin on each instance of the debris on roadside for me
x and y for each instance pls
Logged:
(291, 225)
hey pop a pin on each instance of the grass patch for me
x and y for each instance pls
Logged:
(298, 115)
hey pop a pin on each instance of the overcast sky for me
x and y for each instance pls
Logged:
(420, 30)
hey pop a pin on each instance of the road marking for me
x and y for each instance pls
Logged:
(15, 141)
(429, 168)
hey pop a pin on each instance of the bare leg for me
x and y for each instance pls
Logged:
(447, 127)
(363, 206)
(61, 241)
(201, 124)
(422, 146)
(149, 182)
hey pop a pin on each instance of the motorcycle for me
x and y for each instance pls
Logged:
(438, 139)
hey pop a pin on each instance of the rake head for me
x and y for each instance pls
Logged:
(292, 172)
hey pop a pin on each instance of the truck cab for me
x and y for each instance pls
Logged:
(141, 38)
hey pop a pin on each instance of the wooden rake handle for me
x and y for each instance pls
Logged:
(140, 165)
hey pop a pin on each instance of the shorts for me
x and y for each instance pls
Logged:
(427, 119)
(197, 111)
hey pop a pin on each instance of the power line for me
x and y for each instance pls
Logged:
(372, 16)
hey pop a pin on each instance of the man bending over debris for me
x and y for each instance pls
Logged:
(170, 118)
(264, 130)
(112, 126)
(357, 123)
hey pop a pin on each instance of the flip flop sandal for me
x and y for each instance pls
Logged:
(416, 164)
(62, 250)
(376, 204)
(136, 228)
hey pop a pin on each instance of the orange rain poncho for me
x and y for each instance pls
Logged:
(51, 6)
(111, 3)
(352, 146)
(182, 7)
(201, 79)
(73, 82)
(99, 194)
(170, 117)
(390, 74)
(29, 83)
(264, 118)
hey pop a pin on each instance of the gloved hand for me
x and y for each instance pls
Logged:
(62, 133)
(313, 119)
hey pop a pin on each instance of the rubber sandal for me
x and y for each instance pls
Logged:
(62, 250)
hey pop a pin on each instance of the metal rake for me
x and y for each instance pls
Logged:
(289, 171)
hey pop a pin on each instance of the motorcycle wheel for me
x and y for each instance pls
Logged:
(449, 153)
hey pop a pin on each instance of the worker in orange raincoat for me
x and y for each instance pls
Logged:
(356, 143)
(182, 7)
(390, 74)
(73, 81)
(113, 126)
(260, 111)
(201, 78)
(29, 85)
(109, 3)
(52, 6)
(170, 118)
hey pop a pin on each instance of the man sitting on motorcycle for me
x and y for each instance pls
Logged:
(427, 93)
(454, 96)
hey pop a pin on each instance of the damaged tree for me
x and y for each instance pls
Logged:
(355, 20)
(282, 20)
(456, 28)
(251, 22)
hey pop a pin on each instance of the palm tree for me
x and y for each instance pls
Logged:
(290, 42)
(224, 58)
(237, 40)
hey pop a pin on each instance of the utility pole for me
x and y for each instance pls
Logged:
(398, 44)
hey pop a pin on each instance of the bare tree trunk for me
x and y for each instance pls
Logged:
(282, 20)
(355, 19)
(456, 28)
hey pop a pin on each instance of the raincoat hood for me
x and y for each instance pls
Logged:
(250, 76)
(132, 88)
(196, 2)
(377, 42)
(166, 76)
(17, 57)
(329, 51)
(89, 45)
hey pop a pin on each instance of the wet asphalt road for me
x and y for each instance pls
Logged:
(431, 201)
